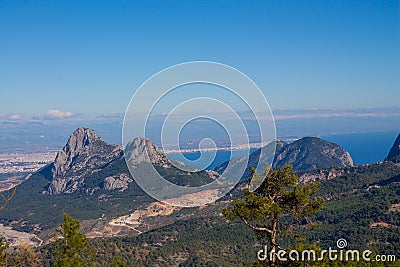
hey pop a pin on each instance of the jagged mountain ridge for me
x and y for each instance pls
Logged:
(394, 153)
(86, 153)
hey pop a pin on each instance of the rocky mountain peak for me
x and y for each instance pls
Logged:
(78, 140)
(84, 152)
(303, 154)
(137, 150)
(313, 153)
(394, 153)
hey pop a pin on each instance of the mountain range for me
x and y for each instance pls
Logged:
(89, 179)
(86, 153)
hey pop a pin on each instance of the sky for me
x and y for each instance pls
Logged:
(59, 59)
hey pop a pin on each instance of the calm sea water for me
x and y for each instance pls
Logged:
(364, 148)
(198, 160)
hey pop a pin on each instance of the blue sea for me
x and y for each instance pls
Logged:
(364, 148)
(198, 160)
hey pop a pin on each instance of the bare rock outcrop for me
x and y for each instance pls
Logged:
(120, 182)
(322, 174)
(84, 153)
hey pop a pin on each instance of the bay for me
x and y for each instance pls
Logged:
(364, 148)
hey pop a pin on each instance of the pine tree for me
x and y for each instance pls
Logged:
(73, 247)
(279, 195)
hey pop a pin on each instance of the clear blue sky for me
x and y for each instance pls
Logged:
(89, 56)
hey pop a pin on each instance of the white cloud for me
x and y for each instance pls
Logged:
(57, 114)
(15, 117)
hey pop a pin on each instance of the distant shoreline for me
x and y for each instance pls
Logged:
(196, 150)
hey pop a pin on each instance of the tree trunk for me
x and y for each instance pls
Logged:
(274, 245)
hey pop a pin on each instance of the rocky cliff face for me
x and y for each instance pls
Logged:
(84, 153)
(394, 153)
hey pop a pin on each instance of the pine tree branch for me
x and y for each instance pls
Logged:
(264, 229)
